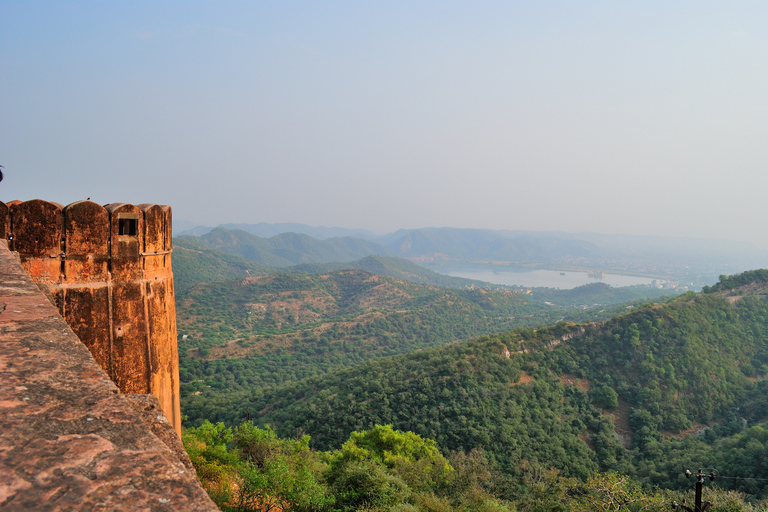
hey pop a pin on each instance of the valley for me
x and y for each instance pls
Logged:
(570, 385)
(689, 263)
(284, 326)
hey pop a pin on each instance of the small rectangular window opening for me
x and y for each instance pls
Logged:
(128, 227)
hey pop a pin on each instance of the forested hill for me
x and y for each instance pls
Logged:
(620, 395)
(195, 263)
(245, 325)
(397, 268)
(272, 329)
(287, 249)
(750, 282)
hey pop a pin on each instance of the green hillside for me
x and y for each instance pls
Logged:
(397, 268)
(610, 396)
(287, 249)
(195, 263)
(269, 330)
(596, 294)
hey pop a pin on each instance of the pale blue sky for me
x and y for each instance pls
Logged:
(613, 117)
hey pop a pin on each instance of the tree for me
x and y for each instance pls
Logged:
(377, 467)
(277, 474)
(365, 484)
(610, 492)
(251, 469)
(215, 464)
(605, 396)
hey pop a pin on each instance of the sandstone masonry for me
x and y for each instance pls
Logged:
(108, 271)
(68, 440)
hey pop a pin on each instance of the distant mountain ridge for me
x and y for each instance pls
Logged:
(268, 230)
(476, 244)
(438, 244)
(690, 260)
(448, 238)
(195, 262)
(287, 249)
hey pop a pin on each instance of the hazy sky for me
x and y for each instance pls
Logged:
(614, 117)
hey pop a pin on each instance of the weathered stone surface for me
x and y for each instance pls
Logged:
(37, 227)
(68, 440)
(108, 271)
(148, 407)
(86, 234)
(5, 221)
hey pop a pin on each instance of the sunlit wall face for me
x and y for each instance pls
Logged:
(642, 119)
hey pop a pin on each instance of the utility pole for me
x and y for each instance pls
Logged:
(698, 507)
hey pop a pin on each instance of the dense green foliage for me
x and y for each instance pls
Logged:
(745, 278)
(466, 399)
(290, 326)
(562, 417)
(740, 458)
(252, 469)
(687, 360)
(271, 330)
(694, 360)
(382, 469)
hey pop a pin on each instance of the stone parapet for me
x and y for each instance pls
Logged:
(68, 439)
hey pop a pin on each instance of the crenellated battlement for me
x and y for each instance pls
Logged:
(108, 270)
(85, 232)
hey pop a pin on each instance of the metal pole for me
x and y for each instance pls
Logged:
(698, 506)
(699, 481)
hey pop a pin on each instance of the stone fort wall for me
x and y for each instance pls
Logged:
(69, 441)
(108, 271)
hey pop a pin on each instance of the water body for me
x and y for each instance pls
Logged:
(539, 278)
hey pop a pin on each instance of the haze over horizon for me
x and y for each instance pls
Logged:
(639, 119)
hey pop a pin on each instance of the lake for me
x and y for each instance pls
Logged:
(538, 278)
